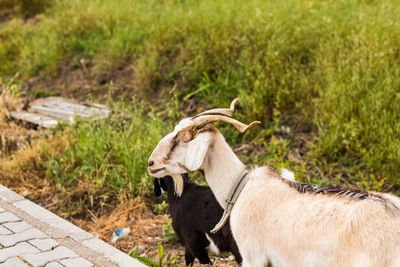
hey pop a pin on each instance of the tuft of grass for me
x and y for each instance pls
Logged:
(160, 261)
(169, 233)
(106, 158)
(9, 99)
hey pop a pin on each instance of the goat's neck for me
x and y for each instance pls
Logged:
(221, 168)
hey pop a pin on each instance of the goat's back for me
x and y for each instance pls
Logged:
(299, 229)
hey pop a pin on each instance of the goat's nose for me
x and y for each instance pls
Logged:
(151, 163)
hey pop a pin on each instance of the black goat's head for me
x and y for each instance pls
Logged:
(159, 183)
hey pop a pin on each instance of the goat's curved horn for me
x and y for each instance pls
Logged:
(220, 111)
(241, 127)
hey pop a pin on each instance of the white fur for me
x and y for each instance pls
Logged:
(212, 246)
(272, 222)
(196, 151)
(178, 184)
(287, 174)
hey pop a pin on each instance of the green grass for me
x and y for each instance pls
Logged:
(108, 155)
(328, 70)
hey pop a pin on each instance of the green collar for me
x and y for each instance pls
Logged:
(233, 196)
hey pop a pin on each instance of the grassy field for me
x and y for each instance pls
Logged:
(322, 76)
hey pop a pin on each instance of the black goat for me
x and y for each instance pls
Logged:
(194, 214)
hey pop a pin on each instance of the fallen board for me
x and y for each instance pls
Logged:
(34, 118)
(47, 112)
(65, 109)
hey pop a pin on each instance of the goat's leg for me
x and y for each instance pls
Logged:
(189, 258)
(235, 251)
(197, 244)
(203, 257)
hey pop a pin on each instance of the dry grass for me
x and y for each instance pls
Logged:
(8, 101)
(133, 214)
(12, 134)
(19, 169)
(21, 172)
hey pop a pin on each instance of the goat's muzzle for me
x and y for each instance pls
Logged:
(154, 171)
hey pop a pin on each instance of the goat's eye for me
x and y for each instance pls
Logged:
(199, 127)
(184, 136)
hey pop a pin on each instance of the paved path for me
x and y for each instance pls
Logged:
(33, 236)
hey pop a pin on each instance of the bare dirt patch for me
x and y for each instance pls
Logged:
(78, 79)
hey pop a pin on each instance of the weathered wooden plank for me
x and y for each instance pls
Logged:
(46, 112)
(39, 119)
(67, 110)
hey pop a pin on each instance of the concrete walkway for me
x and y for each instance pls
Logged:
(32, 236)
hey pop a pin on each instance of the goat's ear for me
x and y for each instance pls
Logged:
(196, 151)
(157, 189)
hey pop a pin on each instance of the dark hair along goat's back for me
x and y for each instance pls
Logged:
(193, 215)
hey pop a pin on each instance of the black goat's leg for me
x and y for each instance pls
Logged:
(236, 253)
(202, 255)
(189, 258)
(197, 244)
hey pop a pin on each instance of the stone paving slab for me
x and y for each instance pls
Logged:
(11, 240)
(19, 249)
(33, 236)
(17, 227)
(54, 264)
(8, 217)
(14, 262)
(72, 262)
(4, 231)
(44, 244)
(41, 258)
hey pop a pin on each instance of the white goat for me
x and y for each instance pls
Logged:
(276, 220)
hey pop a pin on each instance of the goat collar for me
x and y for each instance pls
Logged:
(233, 196)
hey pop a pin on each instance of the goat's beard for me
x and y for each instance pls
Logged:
(178, 183)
